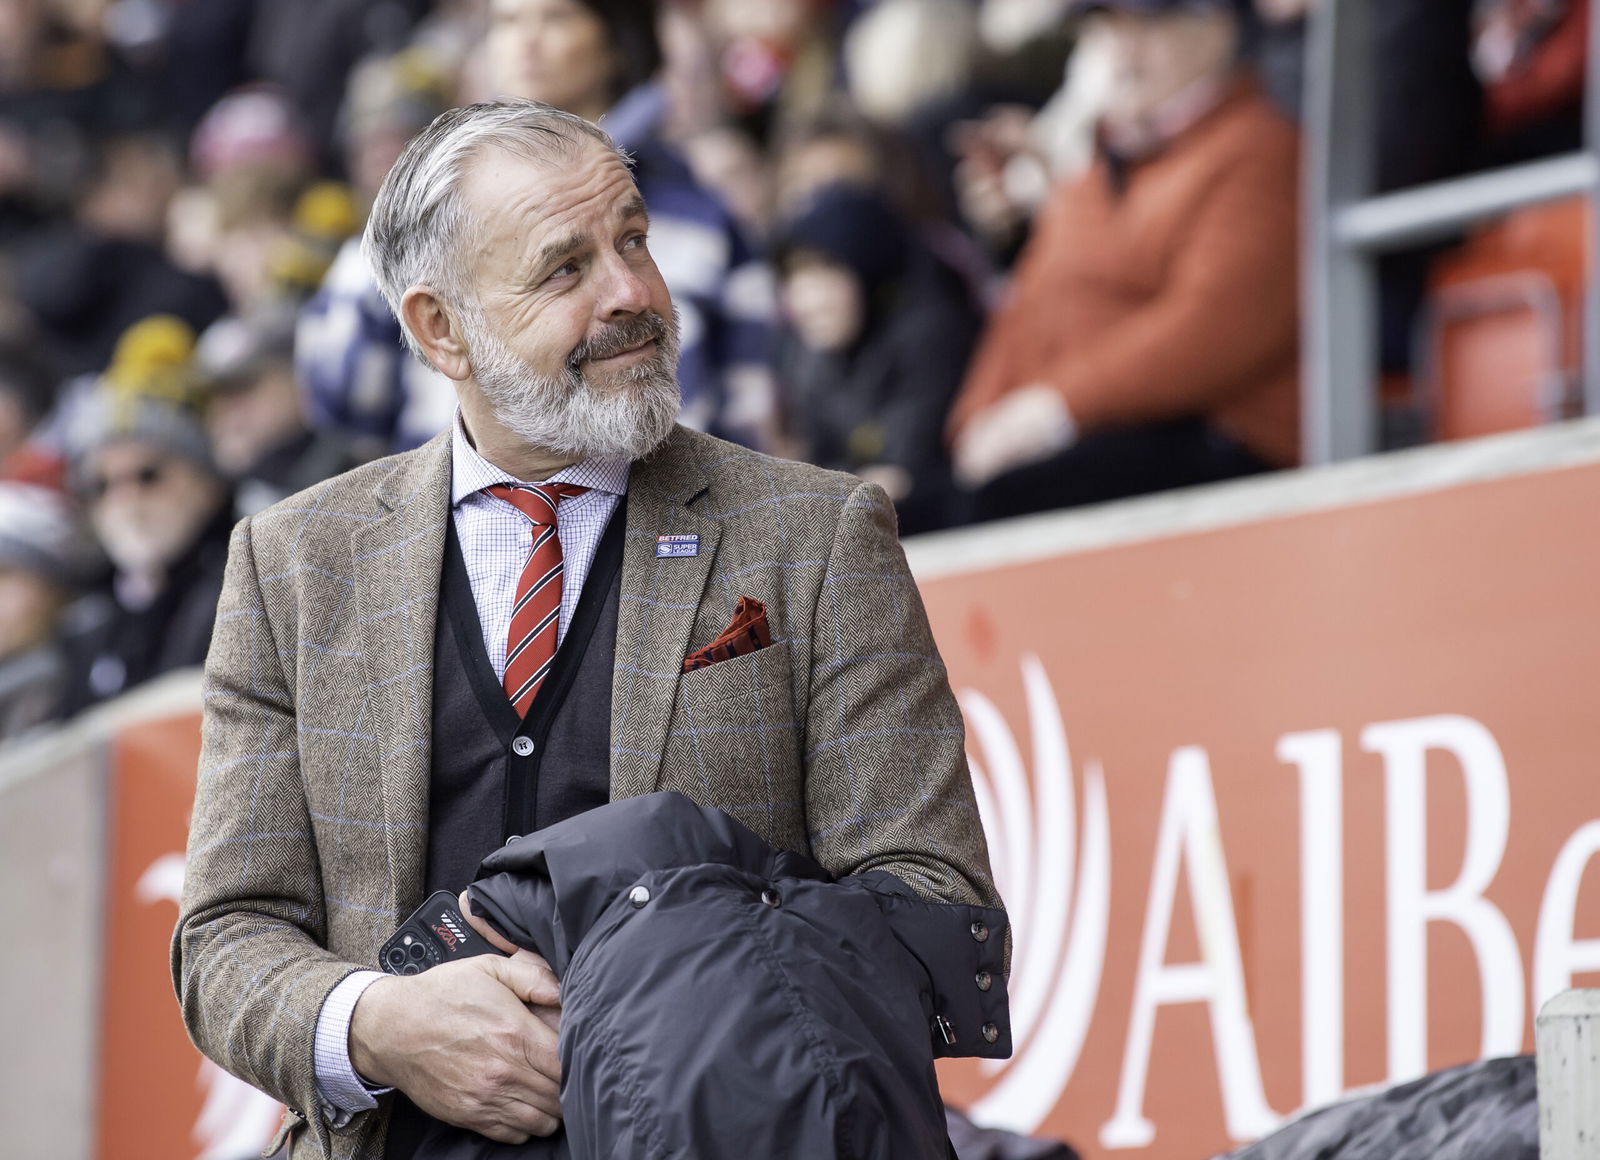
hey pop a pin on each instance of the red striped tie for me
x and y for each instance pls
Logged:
(531, 641)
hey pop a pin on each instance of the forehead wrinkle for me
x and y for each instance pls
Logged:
(529, 214)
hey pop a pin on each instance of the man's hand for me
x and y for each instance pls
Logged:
(472, 1042)
(1024, 426)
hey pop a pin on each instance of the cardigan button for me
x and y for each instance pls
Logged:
(522, 746)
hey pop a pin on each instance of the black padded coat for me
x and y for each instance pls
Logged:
(721, 998)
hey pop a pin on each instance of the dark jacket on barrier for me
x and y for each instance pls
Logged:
(1487, 1110)
(722, 998)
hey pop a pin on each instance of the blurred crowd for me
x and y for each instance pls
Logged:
(999, 256)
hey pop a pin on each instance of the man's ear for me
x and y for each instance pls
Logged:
(423, 312)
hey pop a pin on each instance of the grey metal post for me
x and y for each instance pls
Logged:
(1567, 1034)
(1591, 314)
(1339, 282)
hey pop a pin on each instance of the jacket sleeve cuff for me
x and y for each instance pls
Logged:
(343, 1092)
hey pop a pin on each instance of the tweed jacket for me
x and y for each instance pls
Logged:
(841, 740)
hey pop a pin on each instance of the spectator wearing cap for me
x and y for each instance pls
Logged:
(162, 512)
(880, 332)
(256, 418)
(44, 560)
(1149, 338)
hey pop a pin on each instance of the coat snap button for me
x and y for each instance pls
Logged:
(772, 898)
(522, 746)
(984, 980)
(513, 838)
(639, 895)
(980, 933)
(990, 1033)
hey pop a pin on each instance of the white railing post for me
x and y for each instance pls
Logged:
(1568, 1035)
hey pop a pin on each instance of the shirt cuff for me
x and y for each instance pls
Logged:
(343, 1092)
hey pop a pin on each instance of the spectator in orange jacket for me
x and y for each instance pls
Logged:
(1150, 337)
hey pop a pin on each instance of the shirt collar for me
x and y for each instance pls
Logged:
(471, 473)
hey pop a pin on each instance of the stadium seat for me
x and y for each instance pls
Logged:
(1500, 340)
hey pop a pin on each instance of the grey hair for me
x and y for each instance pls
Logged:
(418, 222)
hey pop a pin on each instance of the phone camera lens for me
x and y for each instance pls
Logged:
(396, 957)
(418, 951)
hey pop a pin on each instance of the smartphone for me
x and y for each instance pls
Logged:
(435, 933)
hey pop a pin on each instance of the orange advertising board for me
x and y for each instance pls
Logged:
(1284, 809)
(1279, 810)
(157, 1095)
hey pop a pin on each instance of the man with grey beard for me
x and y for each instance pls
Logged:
(566, 599)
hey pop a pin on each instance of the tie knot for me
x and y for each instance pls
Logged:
(536, 501)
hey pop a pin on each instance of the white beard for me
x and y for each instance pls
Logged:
(569, 415)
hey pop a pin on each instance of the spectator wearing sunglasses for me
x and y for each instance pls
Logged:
(162, 512)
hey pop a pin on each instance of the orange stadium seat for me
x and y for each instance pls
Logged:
(1500, 340)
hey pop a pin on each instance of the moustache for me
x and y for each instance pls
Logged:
(619, 337)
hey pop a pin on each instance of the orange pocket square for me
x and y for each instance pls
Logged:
(747, 633)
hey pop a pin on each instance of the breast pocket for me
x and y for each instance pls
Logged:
(735, 744)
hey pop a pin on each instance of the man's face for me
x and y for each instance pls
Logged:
(1158, 56)
(148, 506)
(247, 422)
(572, 337)
(824, 302)
(555, 51)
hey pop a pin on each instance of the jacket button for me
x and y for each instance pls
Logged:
(990, 1033)
(980, 933)
(984, 980)
(522, 746)
(772, 898)
(639, 895)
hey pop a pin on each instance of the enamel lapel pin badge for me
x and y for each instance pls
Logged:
(675, 547)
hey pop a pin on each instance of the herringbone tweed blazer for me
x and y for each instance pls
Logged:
(308, 839)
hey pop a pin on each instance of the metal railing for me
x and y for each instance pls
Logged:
(1348, 228)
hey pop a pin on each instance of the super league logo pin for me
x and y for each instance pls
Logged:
(674, 547)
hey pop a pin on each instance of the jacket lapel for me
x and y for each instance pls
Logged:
(659, 601)
(397, 564)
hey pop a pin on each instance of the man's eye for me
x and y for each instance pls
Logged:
(637, 242)
(566, 269)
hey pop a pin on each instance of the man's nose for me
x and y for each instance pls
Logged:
(625, 288)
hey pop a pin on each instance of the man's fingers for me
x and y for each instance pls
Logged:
(541, 1051)
(550, 1017)
(510, 1120)
(484, 927)
(528, 977)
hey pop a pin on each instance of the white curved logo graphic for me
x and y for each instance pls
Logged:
(1058, 932)
(236, 1119)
